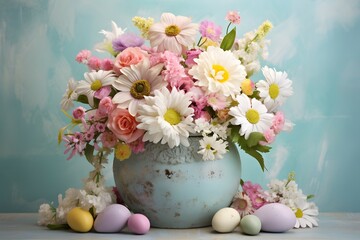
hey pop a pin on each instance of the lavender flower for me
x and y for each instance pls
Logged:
(127, 40)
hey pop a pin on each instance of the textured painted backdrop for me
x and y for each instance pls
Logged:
(316, 42)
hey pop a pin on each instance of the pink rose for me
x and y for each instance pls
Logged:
(105, 107)
(79, 113)
(124, 126)
(130, 56)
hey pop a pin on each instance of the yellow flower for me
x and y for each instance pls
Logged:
(264, 29)
(143, 25)
(122, 151)
(247, 87)
(208, 42)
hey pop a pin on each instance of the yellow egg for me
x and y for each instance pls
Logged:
(80, 220)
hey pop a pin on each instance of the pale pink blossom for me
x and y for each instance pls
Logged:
(233, 17)
(217, 101)
(278, 122)
(100, 127)
(102, 92)
(130, 56)
(210, 30)
(106, 64)
(79, 113)
(255, 193)
(94, 63)
(89, 134)
(124, 125)
(269, 135)
(108, 139)
(191, 55)
(105, 106)
(83, 56)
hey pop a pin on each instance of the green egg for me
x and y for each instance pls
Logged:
(250, 225)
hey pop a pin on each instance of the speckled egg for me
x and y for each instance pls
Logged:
(112, 219)
(276, 217)
(80, 220)
(250, 225)
(138, 224)
(225, 220)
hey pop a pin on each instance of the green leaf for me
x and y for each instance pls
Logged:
(60, 134)
(310, 196)
(228, 40)
(262, 148)
(83, 99)
(89, 152)
(255, 138)
(57, 226)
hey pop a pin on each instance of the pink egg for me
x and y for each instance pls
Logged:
(276, 217)
(138, 224)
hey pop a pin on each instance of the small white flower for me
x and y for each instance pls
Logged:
(93, 82)
(212, 148)
(69, 96)
(275, 89)
(46, 215)
(251, 115)
(166, 117)
(306, 213)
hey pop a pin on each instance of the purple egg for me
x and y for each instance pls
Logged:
(138, 224)
(275, 217)
(112, 219)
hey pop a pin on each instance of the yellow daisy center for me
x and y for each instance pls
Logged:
(140, 88)
(299, 213)
(96, 85)
(253, 116)
(208, 147)
(172, 30)
(225, 74)
(274, 90)
(172, 116)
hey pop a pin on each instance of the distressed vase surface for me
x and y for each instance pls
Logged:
(175, 188)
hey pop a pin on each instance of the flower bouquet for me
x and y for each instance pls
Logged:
(164, 85)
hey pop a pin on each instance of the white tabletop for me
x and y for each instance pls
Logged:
(332, 226)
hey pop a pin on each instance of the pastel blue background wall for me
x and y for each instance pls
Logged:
(316, 42)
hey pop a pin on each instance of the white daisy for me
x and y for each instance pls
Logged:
(93, 82)
(212, 148)
(218, 71)
(251, 114)
(136, 82)
(166, 116)
(173, 33)
(70, 95)
(106, 45)
(275, 89)
(306, 214)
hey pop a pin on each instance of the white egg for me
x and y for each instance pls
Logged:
(225, 220)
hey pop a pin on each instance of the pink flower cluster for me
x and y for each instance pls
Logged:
(276, 128)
